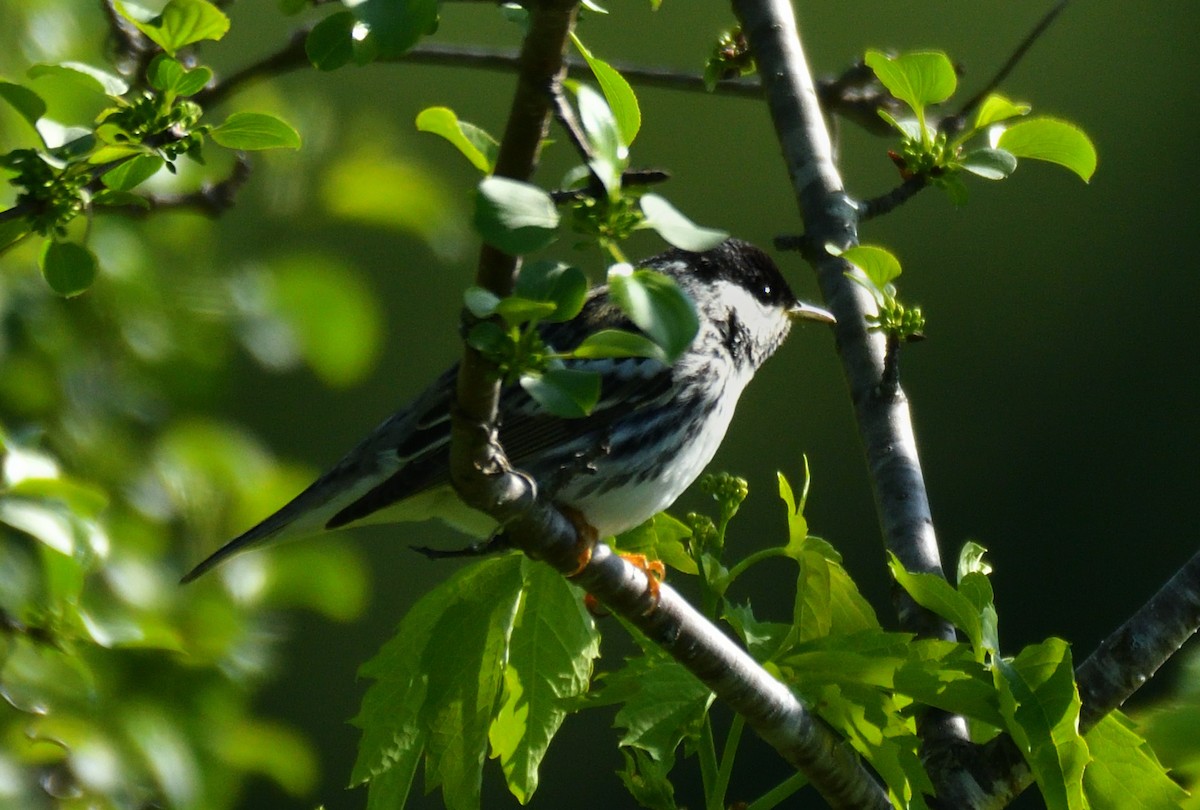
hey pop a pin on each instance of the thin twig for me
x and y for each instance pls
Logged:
(886, 203)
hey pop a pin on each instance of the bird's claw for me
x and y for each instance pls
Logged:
(586, 537)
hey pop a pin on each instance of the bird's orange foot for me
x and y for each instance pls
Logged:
(654, 570)
(586, 538)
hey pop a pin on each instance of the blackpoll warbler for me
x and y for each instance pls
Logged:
(653, 431)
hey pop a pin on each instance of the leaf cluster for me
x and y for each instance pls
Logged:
(147, 123)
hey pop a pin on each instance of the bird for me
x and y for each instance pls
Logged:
(654, 429)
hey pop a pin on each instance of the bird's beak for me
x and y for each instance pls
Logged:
(801, 311)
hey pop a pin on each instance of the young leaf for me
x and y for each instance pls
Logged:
(517, 310)
(617, 92)
(1051, 140)
(132, 172)
(330, 44)
(26, 102)
(677, 229)
(550, 653)
(480, 302)
(564, 286)
(475, 144)
(68, 267)
(168, 75)
(879, 264)
(660, 538)
(513, 216)
(934, 593)
(996, 108)
(656, 305)
(86, 76)
(918, 79)
(617, 343)
(988, 163)
(181, 23)
(564, 392)
(253, 131)
(1040, 705)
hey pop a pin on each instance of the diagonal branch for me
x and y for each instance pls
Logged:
(831, 217)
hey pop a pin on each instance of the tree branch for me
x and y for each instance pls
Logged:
(485, 480)
(831, 217)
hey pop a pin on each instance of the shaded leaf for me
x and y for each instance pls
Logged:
(394, 26)
(513, 216)
(656, 304)
(26, 102)
(988, 163)
(660, 538)
(330, 44)
(565, 392)
(563, 285)
(68, 267)
(132, 173)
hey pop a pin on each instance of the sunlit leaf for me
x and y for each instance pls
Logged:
(181, 23)
(132, 173)
(918, 78)
(677, 229)
(656, 304)
(660, 538)
(617, 343)
(1051, 140)
(609, 153)
(879, 264)
(253, 131)
(86, 76)
(475, 144)
(168, 75)
(553, 644)
(617, 92)
(996, 108)
(1124, 773)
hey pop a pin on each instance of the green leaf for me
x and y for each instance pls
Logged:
(647, 780)
(662, 703)
(181, 23)
(1051, 140)
(918, 79)
(514, 217)
(131, 173)
(394, 26)
(436, 686)
(563, 391)
(85, 76)
(617, 92)
(333, 314)
(26, 102)
(879, 264)
(996, 108)
(1040, 706)
(553, 644)
(609, 153)
(563, 285)
(1124, 773)
(68, 267)
(252, 131)
(945, 674)
(517, 310)
(617, 343)
(106, 196)
(970, 560)
(677, 229)
(168, 75)
(489, 338)
(660, 538)
(12, 231)
(932, 592)
(988, 163)
(480, 302)
(330, 44)
(656, 305)
(475, 144)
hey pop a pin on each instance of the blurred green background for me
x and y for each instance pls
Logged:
(1055, 399)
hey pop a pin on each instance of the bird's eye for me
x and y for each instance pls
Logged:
(766, 290)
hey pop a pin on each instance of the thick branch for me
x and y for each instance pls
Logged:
(831, 217)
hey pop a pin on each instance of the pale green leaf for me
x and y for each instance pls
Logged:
(564, 392)
(617, 92)
(475, 144)
(1051, 140)
(86, 76)
(1124, 773)
(513, 216)
(617, 343)
(656, 304)
(181, 23)
(676, 228)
